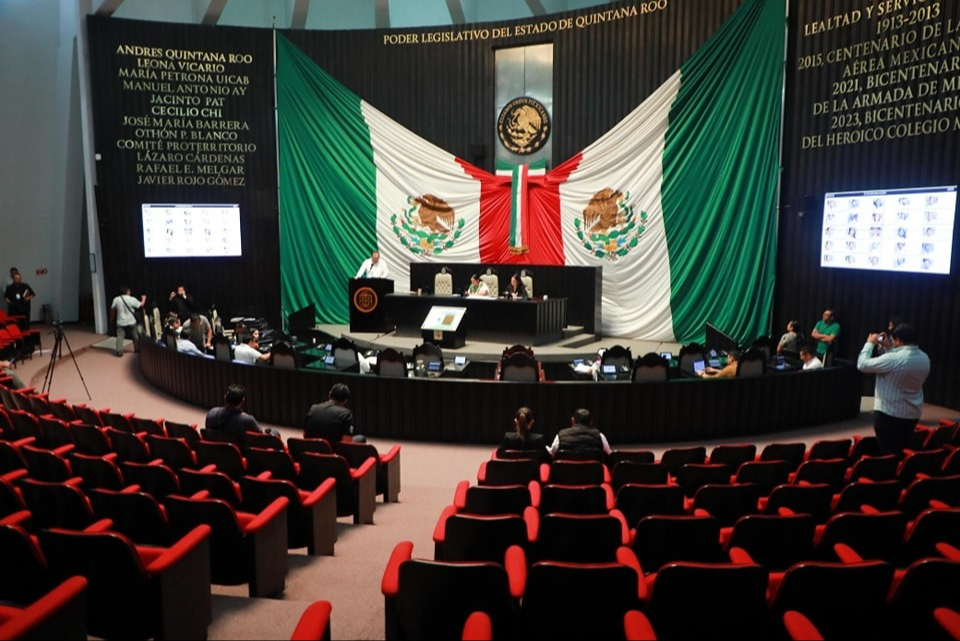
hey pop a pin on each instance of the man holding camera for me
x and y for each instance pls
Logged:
(898, 396)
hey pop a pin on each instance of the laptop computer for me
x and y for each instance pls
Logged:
(609, 370)
(699, 366)
(459, 360)
(667, 356)
(434, 367)
(714, 363)
(330, 360)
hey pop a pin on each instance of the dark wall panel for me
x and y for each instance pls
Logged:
(915, 38)
(135, 69)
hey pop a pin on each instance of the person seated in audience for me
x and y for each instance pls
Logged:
(517, 290)
(14, 382)
(792, 339)
(248, 351)
(523, 437)
(231, 417)
(809, 358)
(727, 371)
(332, 420)
(477, 287)
(581, 436)
(185, 344)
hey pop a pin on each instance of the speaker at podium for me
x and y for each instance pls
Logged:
(443, 326)
(368, 310)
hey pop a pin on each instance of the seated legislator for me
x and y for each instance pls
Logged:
(523, 437)
(332, 420)
(477, 288)
(581, 436)
(249, 350)
(517, 290)
(185, 345)
(231, 417)
(728, 371)
(373, 267)
(809, 358)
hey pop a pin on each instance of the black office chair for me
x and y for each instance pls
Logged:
(690, 354)
(619, 357)
(391, 363)
(424, 354)
(650, 367)
(282, 355)
(753, 362)
(346, 356)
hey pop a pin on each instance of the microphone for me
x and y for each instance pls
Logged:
(389, 331)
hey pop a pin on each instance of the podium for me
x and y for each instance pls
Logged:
(368, 312)
(443, 327)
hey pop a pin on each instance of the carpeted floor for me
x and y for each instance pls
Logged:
(351, 578)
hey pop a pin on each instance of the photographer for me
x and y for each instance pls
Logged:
(898, 397)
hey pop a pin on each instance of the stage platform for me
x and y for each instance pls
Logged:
(577, 345)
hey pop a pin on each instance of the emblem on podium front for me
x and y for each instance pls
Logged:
(365, 300)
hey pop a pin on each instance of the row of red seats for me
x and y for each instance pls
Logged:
(587, 545)
(852, 598)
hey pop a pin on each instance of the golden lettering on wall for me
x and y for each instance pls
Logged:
(532, 28)
(185, 135)
(897, 76)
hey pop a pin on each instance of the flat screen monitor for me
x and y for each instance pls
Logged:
(719, 341)
(898, 230)
(190, 230)
(330, 360)
(434, 366)
(609, 369)
(459, 360)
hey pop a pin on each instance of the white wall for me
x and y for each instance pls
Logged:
(41, 187)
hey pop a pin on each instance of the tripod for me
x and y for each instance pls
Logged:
(59, 339)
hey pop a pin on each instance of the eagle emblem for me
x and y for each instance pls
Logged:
(428, 226)
(610, 228)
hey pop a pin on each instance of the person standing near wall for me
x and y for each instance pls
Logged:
(18, 296)
(124, 308)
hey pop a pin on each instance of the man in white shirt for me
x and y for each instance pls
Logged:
(249, 352)
(122, 308)
(809, 360)
(373, 267)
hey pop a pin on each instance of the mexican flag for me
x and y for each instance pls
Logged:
(677, 202)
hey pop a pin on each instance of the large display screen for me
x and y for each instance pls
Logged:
(190, 230)
(900, 230)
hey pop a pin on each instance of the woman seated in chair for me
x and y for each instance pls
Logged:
(517, 290)
(477, 287)
(523, 437)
